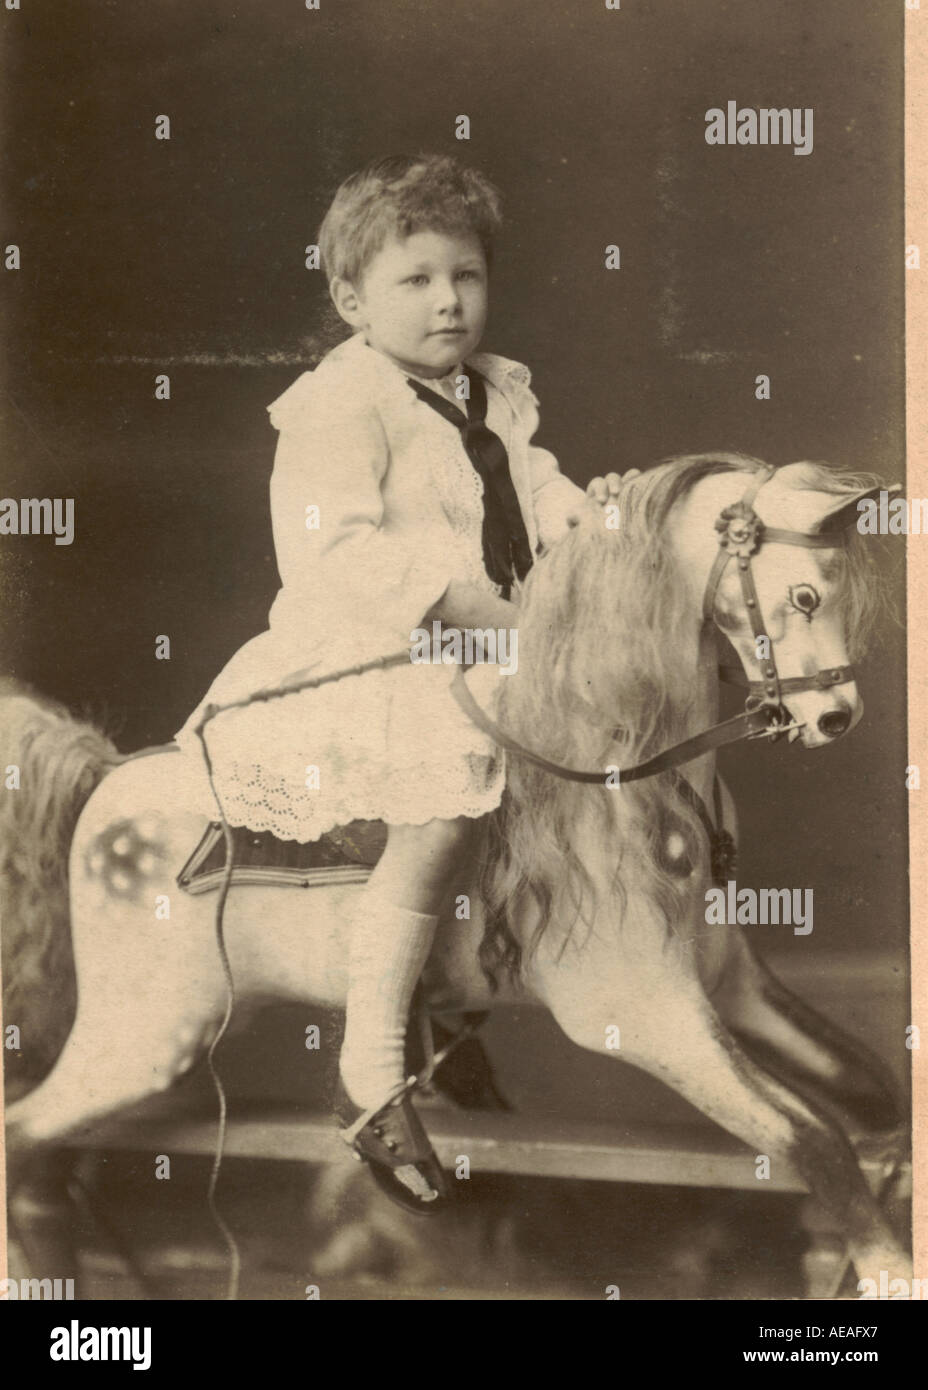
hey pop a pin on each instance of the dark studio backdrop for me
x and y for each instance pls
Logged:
(186, 256)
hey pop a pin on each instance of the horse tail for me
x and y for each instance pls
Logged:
(50, 763)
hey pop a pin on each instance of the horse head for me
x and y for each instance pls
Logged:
(618, 670)
(788, 581)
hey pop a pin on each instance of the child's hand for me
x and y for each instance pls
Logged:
(603, 491)
(606, 490)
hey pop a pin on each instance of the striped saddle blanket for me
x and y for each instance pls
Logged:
(343, 855)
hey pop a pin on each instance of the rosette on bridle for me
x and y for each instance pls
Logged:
(740, 529)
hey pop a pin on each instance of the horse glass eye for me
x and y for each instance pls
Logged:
(804, 599)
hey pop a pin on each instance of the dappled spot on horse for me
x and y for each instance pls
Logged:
(190, 1040)
(127, 855)
(673, 845)
(674, 856)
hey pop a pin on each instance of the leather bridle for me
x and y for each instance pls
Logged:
(741, 535)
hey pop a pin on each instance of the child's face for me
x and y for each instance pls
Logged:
(422, 300)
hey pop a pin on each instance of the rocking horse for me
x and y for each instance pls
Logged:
(588, 884)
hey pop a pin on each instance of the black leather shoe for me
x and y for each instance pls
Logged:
(395, 1145)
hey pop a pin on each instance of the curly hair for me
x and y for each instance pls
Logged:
(397, 196)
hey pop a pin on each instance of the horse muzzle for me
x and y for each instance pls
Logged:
(817, 718)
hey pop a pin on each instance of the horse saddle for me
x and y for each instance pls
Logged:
(343, 855)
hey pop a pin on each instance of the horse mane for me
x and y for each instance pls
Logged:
(608, 652)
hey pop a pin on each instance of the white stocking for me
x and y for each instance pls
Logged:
(389, 947)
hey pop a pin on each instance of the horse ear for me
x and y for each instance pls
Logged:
(847, 511)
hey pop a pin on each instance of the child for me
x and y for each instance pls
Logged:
(411, 526)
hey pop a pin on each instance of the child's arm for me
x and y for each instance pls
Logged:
(358, 565)
(466, 605)
(556, 501)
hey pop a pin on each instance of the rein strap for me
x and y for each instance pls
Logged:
(751, 723)
(741, 534)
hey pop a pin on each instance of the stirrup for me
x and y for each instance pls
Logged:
(391, 1139)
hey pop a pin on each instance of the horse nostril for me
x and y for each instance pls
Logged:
(834, 722)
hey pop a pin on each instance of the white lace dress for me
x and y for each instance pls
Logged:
(399, 515)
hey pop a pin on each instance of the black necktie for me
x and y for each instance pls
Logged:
(506, 550)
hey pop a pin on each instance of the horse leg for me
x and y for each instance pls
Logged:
(149, 989)
(106, 1064)
(668, 1028)
(793, 1041)
(801, 1047)
(41, 1221)
(102, 1068)
(827, 1065)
